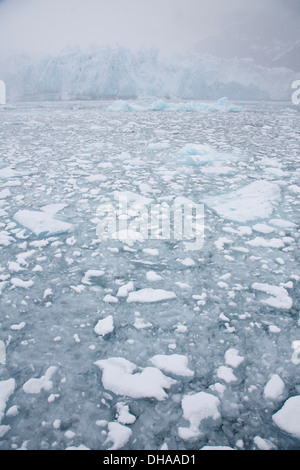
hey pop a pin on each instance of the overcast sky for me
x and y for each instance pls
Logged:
(170, 25)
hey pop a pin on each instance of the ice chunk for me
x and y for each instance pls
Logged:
(288, 417)
(119, 376)
(90, 274)
(35, 386)
(42, 223)
(280, 297)
(255, 201)
(7, 388)
(123, 415)
(225, 373)
(118, 434)
(125, 289)
(196, 409)
(20, 283)
(232, 358)
(274, 388)
(105, 326)
(149, 295)
(263, 444)
(173, 364)
(152, 276)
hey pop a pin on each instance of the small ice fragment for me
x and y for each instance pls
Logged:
(232, 358)
(104, 326)
(226, 374)
(172, 364)
(35, 385)
(274, 388)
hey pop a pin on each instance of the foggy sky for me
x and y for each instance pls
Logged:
(170, 25)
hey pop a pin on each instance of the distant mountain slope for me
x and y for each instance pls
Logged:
(270, 39)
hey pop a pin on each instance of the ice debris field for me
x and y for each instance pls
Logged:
(129, 342)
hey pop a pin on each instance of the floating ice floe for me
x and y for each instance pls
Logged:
(288, 417)
(91, 274)
(7, 173)
(7, 388)
(280, 297)
(124, 378)
(232, 358)
(118, 435)
(196, 409)
(42, 223)
(255, 201)
(35, 385)
(149, 295)
(105, 326)
(172, 364)
(274, 388)
(123, 414)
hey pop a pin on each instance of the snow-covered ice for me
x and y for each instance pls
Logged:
(198, 408)
(123, 378)
(288, 417)
(132, 341)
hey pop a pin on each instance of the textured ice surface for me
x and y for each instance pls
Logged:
(222, 321)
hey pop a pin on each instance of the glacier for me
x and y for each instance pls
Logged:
(138, 343)
(120, 74)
